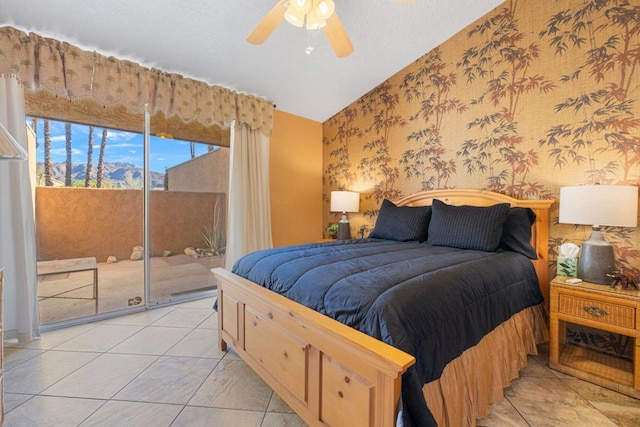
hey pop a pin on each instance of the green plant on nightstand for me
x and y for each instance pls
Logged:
(332, 230)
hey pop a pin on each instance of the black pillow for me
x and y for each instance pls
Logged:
(516, 232)
(467, 227)
(401, 223)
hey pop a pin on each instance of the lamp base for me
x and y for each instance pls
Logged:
(344, 231)
(596, 260)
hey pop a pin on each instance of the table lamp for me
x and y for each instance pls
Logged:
(344, 201)
(598, 205)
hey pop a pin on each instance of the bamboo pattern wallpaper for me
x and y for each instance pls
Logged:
(534, 96)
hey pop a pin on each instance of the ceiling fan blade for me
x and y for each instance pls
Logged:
(337, 36)
(268, 23)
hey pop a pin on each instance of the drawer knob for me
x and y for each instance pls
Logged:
(595, 311)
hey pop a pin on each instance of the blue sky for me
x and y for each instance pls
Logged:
(122, 146)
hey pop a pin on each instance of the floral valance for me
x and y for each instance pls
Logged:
(63, 69)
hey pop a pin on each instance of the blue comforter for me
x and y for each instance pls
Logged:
(432, 302)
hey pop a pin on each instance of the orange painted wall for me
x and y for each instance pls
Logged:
(295, 179)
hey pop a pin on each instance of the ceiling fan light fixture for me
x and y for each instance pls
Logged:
(313, 22)
(293, 17)
(301, 7)
(323, 9)
(321, 15)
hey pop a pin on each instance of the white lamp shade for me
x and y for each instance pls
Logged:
(10, 149)
(345, 201)
(595, 205)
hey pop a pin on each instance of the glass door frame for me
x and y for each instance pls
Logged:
(146, 180)
(148, 303)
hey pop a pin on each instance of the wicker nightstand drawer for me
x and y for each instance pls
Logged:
(612, 314)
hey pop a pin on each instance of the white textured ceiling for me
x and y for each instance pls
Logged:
(205, 40)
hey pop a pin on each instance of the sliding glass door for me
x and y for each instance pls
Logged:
(124, 220)
(187, 217)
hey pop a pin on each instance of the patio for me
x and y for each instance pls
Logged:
(121, 284)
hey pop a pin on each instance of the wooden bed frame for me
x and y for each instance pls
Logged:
(329, 373)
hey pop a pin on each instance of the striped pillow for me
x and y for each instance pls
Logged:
(401, 223)
(467, 227)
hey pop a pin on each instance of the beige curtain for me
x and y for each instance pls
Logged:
(17, 225)
(66, 70)
(249, 206)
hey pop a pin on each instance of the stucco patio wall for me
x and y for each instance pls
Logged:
(83, 222)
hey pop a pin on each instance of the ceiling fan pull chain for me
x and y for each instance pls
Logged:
(310, 47)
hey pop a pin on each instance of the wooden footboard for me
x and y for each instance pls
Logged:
(320, 367)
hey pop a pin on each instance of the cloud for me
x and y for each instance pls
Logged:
(59, 138)
(121, 135)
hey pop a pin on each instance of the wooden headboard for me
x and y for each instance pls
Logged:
(539, 230)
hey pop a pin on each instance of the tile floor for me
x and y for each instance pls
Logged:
(162, 368)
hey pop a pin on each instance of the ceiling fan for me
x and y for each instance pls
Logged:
(316, 14)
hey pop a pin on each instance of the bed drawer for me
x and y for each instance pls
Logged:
(603, 312)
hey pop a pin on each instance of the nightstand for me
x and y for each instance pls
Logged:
(600, 307)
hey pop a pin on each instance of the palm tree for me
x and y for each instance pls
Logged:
(47, 154)
(87, 178)
(103, 146)
(67, 175)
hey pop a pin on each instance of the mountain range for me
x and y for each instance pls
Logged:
(116, 175)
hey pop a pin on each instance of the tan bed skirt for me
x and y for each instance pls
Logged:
(472, 382)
